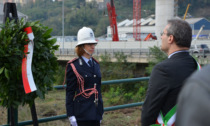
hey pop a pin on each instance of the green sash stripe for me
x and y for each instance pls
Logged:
(198, 67)
(169, 114)
(167, 117)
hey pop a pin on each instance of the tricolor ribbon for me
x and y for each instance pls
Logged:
(199, 66)
(27, 76)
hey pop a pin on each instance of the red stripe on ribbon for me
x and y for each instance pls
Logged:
(28, 30)
(24, 72)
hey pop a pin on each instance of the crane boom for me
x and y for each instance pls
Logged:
(186, 11)
(199, 32)
(137, 20)
(150, 36)
(113, 20)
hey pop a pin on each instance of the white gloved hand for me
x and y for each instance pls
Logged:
(73, 120)
(102, 118)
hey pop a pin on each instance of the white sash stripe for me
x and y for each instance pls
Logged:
(171, 121)
(159, 119)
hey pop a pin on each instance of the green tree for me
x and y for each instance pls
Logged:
(121, 69)
(78, 13)
(101, 28)
(156, 57)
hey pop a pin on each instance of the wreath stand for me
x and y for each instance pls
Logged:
(10, 11)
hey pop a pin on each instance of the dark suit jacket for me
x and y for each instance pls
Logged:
(165, 83)
(83, 108)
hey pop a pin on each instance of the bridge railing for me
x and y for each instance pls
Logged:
(131, 52)
(111, 82)
(134, 55)
(111, 52)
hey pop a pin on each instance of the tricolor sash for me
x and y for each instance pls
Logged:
(170, 117)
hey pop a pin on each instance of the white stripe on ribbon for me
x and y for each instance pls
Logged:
(29, 62)
(31, 36)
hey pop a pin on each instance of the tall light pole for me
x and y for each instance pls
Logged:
(63, 24)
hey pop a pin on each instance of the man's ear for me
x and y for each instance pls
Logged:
(170, 39)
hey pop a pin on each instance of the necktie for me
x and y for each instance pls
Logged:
(90, 63)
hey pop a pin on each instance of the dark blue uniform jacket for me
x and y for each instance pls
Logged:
(80, 107)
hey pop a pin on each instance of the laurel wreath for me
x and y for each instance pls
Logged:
(44, 63)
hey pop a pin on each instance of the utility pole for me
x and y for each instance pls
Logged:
(63, 24)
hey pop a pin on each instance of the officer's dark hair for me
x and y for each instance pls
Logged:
(181, 31)
(79, 50)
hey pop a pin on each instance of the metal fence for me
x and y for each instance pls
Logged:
(111, 52)
(202, 57)
(128, 52)
(59, 117)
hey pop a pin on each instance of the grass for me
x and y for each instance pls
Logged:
(54, 104)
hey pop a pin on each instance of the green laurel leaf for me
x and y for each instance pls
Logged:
(1, 70)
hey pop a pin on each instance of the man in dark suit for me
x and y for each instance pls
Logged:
(167, 77)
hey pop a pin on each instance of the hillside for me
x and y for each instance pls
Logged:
(198, 8)
(79, 14)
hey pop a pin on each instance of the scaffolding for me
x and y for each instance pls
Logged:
(137, 20)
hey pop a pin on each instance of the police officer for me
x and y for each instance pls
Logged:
(84, 103)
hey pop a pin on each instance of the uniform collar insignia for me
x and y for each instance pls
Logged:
(80, 61)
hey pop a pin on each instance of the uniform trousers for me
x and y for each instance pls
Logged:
(88, 123)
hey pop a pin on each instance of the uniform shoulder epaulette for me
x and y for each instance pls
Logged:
(95, 60)
(71, 61)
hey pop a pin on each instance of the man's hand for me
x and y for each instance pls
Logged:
(73, 121)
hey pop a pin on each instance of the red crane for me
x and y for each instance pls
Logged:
(113, 20)
(137, 20)
(150, 36)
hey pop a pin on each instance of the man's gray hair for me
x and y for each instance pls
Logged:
(181, 31)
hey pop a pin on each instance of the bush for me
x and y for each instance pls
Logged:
(59, 75)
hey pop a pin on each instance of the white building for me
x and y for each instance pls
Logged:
(125, 28)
